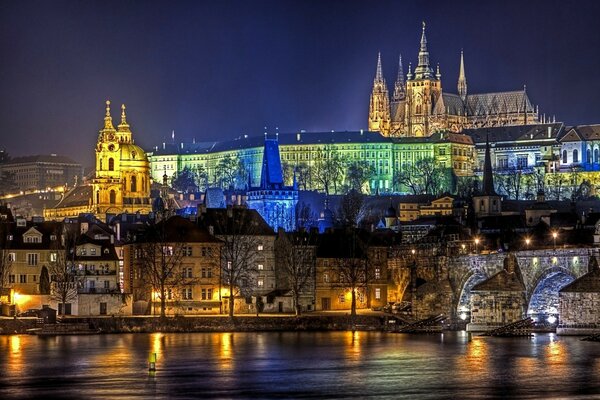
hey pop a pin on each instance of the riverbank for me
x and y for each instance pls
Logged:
(146, 324)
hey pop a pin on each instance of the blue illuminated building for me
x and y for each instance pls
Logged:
(275, 202)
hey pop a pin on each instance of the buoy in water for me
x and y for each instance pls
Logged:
(152, 362)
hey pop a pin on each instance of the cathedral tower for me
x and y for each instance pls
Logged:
(422, 91)
(462, 79)
(379, 106)
(122, 180)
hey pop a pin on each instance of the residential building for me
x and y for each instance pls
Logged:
(179, 256)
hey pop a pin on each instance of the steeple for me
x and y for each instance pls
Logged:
(378, 73)
(123, 126)
(108, 125)
(423, 70)
(399, 87)
(379, 106)
(462, 79)
(488, 177)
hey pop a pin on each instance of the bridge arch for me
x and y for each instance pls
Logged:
(464, 298)
(542, 298)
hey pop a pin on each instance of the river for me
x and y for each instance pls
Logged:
(299, 365)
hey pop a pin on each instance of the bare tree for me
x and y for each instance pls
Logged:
(239, 232)
(231, 172)
(358, 173)
(328, 169)
(466, 186)
(159, 257)
(64, 275)
(303, 176)
(295, 256)
(555, 185)
(185, 181)
(5, 258)
(353, 208)
(353, 269)
(425, 176)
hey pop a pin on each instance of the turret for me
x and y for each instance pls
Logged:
(462, 79)
(399, 86)
(379, 106)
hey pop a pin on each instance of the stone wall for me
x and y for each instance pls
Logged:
(579, 313)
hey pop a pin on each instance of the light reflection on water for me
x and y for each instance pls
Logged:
(299, 365)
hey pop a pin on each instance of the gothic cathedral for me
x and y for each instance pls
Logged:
(419, 107)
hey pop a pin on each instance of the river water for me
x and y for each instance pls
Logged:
(299, 365)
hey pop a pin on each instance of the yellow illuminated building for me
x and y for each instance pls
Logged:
(122, 179)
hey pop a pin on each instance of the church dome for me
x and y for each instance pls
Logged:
(131, 152)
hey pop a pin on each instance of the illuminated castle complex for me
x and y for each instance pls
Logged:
(419, 107)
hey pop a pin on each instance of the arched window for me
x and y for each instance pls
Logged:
(100, 164)
(97, 197)
(133, 184)
(418, 109)
(113, 196)
(575, 156)
(564, 156)
(588, 156)
(111, 164)
(596, 155)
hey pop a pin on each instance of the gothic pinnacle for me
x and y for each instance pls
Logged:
(379, 73)
(462, 79)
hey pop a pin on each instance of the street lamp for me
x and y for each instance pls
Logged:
(554, 235)
(527, 242)
(476, 244)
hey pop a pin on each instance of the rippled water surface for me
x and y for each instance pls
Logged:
(299, 365)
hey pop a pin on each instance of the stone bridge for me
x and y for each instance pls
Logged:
(443, 284)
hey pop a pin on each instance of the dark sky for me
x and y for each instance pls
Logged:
(219, 69)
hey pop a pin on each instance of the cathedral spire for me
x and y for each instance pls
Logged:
(379, 73)
(462, 79)
(399, 86)
(108, 125)
(423, 70)
(379, 106)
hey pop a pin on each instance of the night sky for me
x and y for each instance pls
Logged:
(220, 69)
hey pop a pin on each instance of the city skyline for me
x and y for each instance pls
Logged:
(218, 71)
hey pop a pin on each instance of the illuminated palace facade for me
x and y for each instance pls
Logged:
(122, 177)
(420, 121)
(419, 106)
(307, 149)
